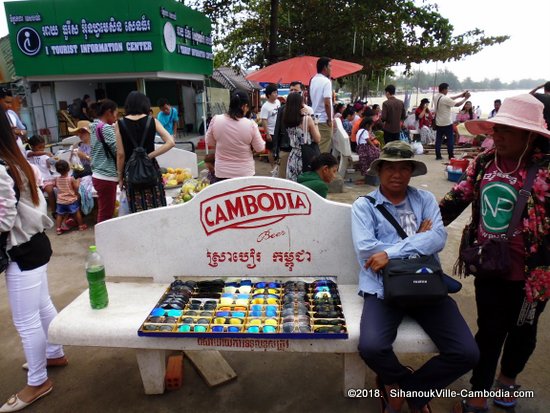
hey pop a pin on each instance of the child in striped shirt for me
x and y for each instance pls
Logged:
(68, 203)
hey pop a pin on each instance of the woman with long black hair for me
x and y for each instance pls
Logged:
(301, 130)
(23, 214)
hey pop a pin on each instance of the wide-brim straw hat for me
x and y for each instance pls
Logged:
(521, 111)
(397, 151)
(81, 125)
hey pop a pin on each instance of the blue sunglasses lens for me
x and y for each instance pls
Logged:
(233, 329)
(253, 329)
(217, 329)
(157, 312)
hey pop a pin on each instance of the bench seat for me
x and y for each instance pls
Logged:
(130, 303)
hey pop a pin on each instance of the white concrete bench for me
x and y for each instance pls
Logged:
(269, 220)
(341, 145)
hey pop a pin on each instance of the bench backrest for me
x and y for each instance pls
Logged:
(340, 139)
(179, 158)
(255, 226)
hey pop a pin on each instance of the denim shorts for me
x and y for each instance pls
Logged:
(68, 209)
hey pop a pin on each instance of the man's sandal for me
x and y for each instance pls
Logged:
(464, 407)
(511, 390)
(384, 398)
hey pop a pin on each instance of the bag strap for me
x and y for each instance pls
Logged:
(437, 104)
(524, 194)
(122, 122)
(101, 138)
(306, 131)
(389, 217)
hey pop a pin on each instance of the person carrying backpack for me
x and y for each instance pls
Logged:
(137, 168)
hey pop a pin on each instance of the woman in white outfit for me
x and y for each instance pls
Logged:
(23, 217)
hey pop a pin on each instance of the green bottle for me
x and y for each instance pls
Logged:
(95, 273)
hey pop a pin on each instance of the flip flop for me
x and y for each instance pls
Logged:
(499, 401)
(15, 404)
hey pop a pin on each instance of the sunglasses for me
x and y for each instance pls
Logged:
(186, 328)
(267, 285)
(233, 301)
(328, 314)
(267, 313)
(245, 289)
(296, 328)
(160, 312)
(232, 308)
(329, 329)
(154, 327)
(199, 313)
(227, 320)
(302, 319)
(295, 286)
(190, 320)
(203, 305)
(239, 314)
(274, 291)
(401, 153)
(333, 322)
(264, 329)
(226, 329)
(264, 300)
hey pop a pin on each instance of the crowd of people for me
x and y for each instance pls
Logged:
(299, 138)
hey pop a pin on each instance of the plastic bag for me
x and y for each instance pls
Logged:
(123, 207)
(417, 148)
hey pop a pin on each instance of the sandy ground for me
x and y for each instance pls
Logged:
(108, 380)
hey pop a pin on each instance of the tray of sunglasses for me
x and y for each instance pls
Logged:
(292, 309)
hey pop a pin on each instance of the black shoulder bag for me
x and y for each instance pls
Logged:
(309, 150)
(140, 170)
(492, 257)
(411, 282)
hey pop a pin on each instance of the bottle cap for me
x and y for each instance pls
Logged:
(92, 248)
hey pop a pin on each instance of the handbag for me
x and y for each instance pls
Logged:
(309, 150)
(411, 281)
(34, 253)
(492, 257)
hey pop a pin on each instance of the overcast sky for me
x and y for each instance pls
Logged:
(525, 55)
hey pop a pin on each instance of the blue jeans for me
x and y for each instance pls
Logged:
(458, 352)
(449, 133)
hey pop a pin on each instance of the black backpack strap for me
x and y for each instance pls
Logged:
(389, 217)
(123, 125)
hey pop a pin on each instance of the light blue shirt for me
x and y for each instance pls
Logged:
(373, 233)
(168, 120)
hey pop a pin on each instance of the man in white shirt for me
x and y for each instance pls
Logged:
(320, 92)
(268, 115)
(443, 120)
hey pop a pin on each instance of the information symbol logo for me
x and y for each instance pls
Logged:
(29, 41)
(169, 37)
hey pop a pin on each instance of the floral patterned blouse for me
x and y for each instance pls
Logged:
(536, 217)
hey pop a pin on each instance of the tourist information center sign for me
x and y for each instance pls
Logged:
(68, 37)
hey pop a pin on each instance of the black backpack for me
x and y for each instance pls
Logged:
(4, 258)
(140, 170)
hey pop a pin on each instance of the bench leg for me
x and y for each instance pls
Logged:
(355, 371)
(152, 366)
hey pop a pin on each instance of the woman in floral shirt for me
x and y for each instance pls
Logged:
(508, 306)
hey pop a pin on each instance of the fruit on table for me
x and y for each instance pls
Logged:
(179, 175)
(190, 188)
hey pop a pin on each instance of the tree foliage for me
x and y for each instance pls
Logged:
(374, 33)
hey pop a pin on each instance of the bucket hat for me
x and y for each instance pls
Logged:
(398, 151)
(82, 124)
(521, 111)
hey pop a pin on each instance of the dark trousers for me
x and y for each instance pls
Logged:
(458, 352)
(448, 132)
(498, 307)
(390, 136)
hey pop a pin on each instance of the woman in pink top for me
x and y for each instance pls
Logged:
(234, 137)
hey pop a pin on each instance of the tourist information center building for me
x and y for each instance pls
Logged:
(65, 49)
